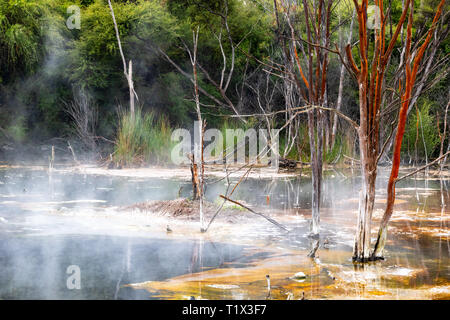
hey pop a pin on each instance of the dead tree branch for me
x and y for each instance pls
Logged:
(257, 213)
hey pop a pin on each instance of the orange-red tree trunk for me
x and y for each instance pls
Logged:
(370, 82)
(410, 77)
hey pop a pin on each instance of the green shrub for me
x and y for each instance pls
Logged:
(342, 145)
(18, 130)
(427, 131)
(294, 152)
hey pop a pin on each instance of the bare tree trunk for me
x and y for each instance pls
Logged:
(194, 178)
(315, 210)
(341, 87)
(128, 73)
(131, 87)
(201, 126)
(361, 248)
(441, 150)
(318, 174)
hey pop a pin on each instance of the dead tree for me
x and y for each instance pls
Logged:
(410, 77)
(371, 85)
(221, 84)
(341, 85)
(370, 78)
(265, 90)
(84, 113)
(127, 72)
(197, 178)
(311, 84)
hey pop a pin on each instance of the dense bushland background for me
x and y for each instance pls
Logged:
(45, 67)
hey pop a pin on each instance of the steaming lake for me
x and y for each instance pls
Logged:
(74, 219)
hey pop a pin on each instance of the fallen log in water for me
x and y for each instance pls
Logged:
(287, 163)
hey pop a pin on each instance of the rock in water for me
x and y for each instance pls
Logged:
(298, 276)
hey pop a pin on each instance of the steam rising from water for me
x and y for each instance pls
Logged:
(73, 219)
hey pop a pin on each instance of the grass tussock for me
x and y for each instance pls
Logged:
(142, 139)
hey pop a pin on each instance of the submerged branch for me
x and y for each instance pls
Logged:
(257, 213)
